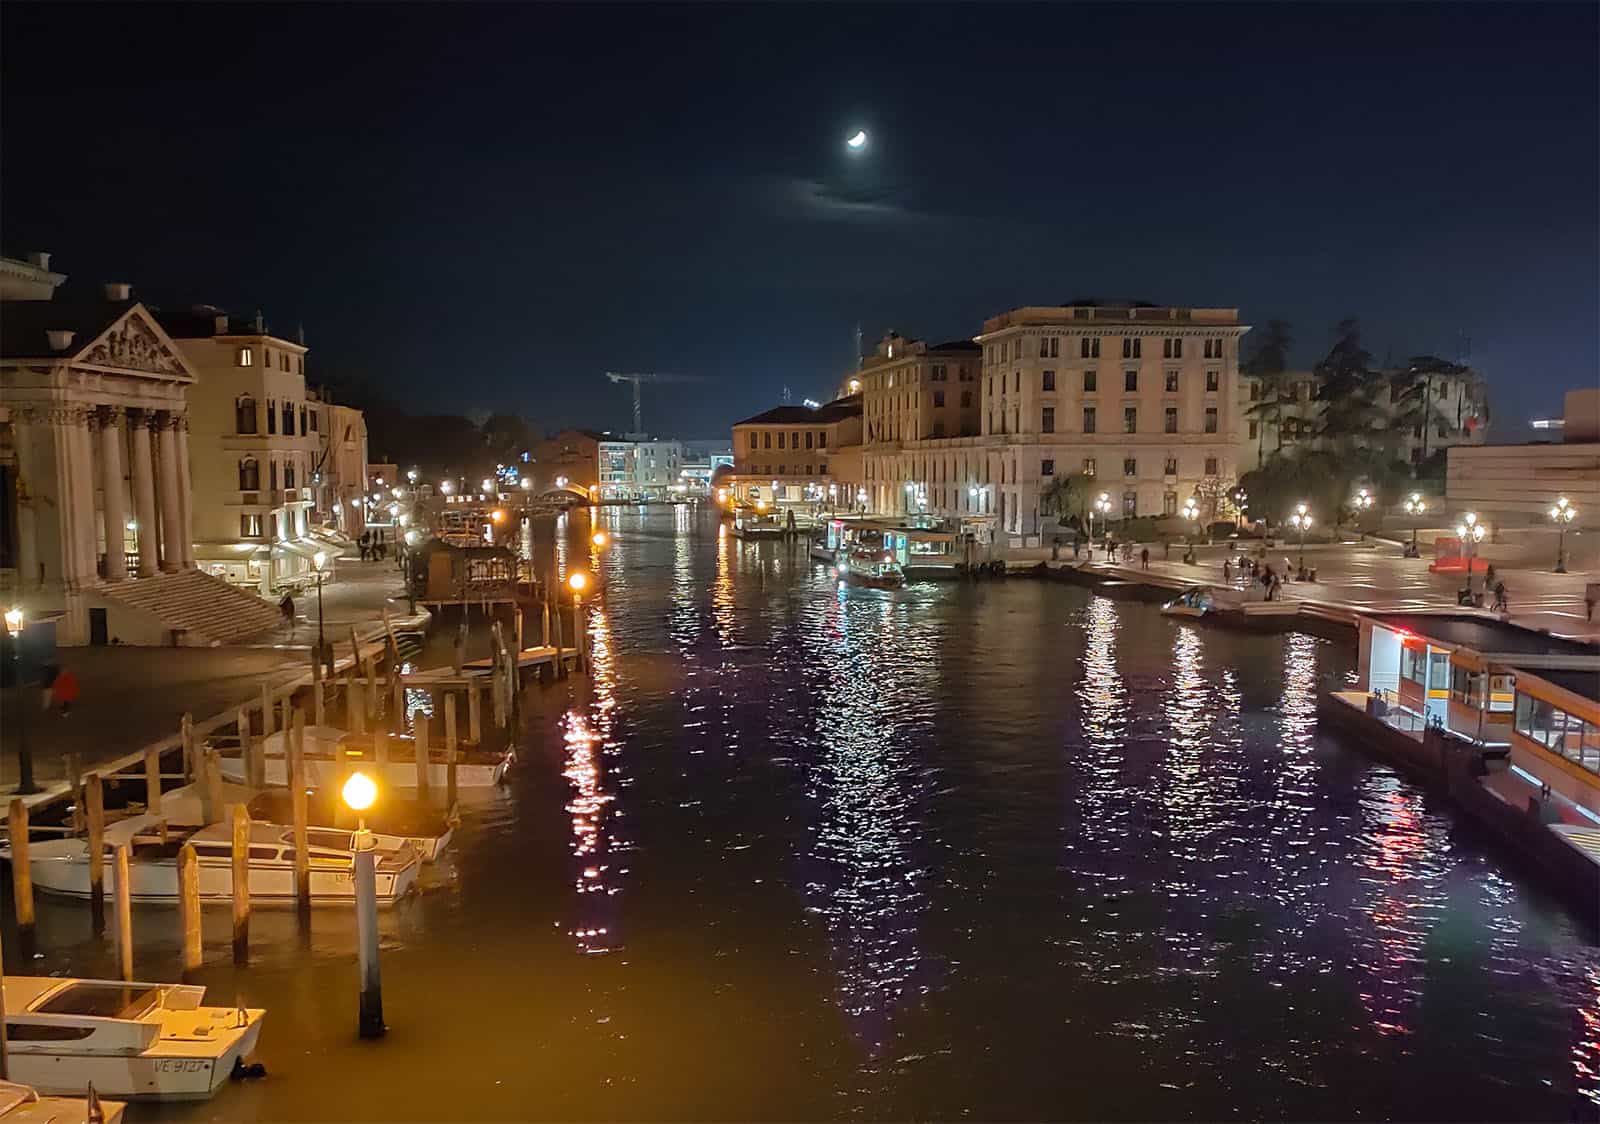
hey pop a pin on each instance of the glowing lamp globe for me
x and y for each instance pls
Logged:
(578, 581)
(359, 792)
(599, 538)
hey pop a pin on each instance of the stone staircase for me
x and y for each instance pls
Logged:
(199, 609)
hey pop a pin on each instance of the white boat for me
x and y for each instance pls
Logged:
(1196, 602)
(20, 1104)
(61, 866)
(139, 1041)
(331, 752)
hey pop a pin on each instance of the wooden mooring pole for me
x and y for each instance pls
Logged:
(241, 884)
(450, 750)
(419, 742)
(474, 714)
(191, 767)
(21, 875)
(189, 908)
(266, 709)
(124, 914)
(211, 778)
(297, 790)
(95, 802)
(318, 699)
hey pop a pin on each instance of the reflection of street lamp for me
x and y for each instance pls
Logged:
(319, 563)
(600, 538)
(1471, 533)
(359, 793)
(1301, 521)
(25, 785)
(1562, 514)
(1415, 506)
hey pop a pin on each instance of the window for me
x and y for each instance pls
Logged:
(1016, 382)
(1213, 380)
(1254, 430)
(288, 474)
(1169, 420)
(1088, 466)
(1130, 466)
(1130, 419)
(249, 526)
(1255, 391)
(1567, 734)
(755, 441)
(794, 438)
(1050, 347)
(783, 470)
(767, 440)
(300, 365)
(1413, 665)
(249, 475)
(1048, 381)
(272, 472)
(288, 419)
(1047, 467)
(1172, 348)
(1090, 347)
(1211, 419)
(1169, 503)
(966, 398)
(266, 357)
(1016, 348)
(1016, 419)
(1213, 349)
(1130, 381)
(937, 373)
(1172, 382)
(314, 414)
(1130, 505)
(1047, 420)
(1088, 419)
(244, 357)
(1211, 466)
(810, 437)
(1130, 348)
(822, 439)
(1468, 687)
(822, 468)
(1171, 467)
(780, 440)
(938, 398)
(1090, 382)
(302, 419)
(808, 470)
(272, 416)
(244, 414)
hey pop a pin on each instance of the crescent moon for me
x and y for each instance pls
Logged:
(859, 140)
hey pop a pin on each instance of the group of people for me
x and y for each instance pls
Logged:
(373, 547)
(1493, 586)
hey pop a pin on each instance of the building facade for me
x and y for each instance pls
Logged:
(1516, 485)
(917, 403)
(339, 479)
(1142, 398)
(800, 455)
(568, 459)
(94, 450)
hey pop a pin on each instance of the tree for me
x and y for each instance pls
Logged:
(1268, 365)
(1215, 497)
(1417, 407)
(1066, 495)
(506, 437)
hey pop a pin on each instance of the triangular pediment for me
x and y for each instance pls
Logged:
(135, 342)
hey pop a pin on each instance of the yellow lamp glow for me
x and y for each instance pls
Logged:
(499, 516)
(359, 792)
(600, 538)
(14, 621)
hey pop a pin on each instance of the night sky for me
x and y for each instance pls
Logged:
(484, 208)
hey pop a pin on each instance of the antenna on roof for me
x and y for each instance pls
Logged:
(855, 360)
(785, 395)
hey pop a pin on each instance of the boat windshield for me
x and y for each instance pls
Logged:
(104, 1001)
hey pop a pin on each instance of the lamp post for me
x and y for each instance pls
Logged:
(1471, 533)
(1301, 521)
(412, 538)
(1562, 514)
(1191, 513)
(578, 581)
(1102, 504)
(25, 785)
(319, 563)
(1416, 507)
(1240, 496)
(1360, 505)
(359, 792)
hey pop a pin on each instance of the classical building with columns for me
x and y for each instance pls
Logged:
(94, 464)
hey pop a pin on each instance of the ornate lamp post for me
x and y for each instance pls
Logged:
(1240, 498)
(1191, 514)
(25, 785)
(359, 792)
(1301, 522)
(1471, 533)
(1360, 504)
(1562, 514)
(1102, 504)
(1416, 507)
(319, 563)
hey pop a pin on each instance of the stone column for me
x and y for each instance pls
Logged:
(75, 498)
(185, 492)
(22, 429)
(113, 507)
(144, 492)
(171, 505)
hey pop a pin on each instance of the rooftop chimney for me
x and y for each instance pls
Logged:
(39, 258)
(119, 291)
(220, 324)
(60, 338)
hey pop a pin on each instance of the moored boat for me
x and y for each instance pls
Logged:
(20, 1104)
(1196, 602)
(61, 866)
(874, 569)
(330, 753)
(138, 1041)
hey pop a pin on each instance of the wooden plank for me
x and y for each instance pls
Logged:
(152, 781)
(21, 873)
(189, 908)
(241, 884)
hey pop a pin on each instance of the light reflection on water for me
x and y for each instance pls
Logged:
(991, 850)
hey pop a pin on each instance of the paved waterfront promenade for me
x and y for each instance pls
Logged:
(133, 697)
(1376, 576)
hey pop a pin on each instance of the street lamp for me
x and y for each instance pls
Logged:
(1471, 533)
(1415, 507)
(1301, 521)
(488, 485)
(1191, 514)
(1239, 498)
(25, 785)
(1102, 504)
(1562, 514)
(359, 793)
(1361, 503)
(578, 581)
(446, 487)
(324, 657)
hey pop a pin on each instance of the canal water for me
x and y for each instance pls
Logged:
(1007, 850)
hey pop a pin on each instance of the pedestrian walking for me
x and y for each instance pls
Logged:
(1075, 545)
(365, 543)
(1144, 557)
(1227, 572)
(1591, 594)
(286, 607)
(1500, 605)
(64, 691)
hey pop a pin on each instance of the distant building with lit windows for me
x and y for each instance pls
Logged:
(800, 455)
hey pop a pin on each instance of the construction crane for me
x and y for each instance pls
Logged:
(636, 380)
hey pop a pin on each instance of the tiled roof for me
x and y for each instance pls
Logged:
(837, 410)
